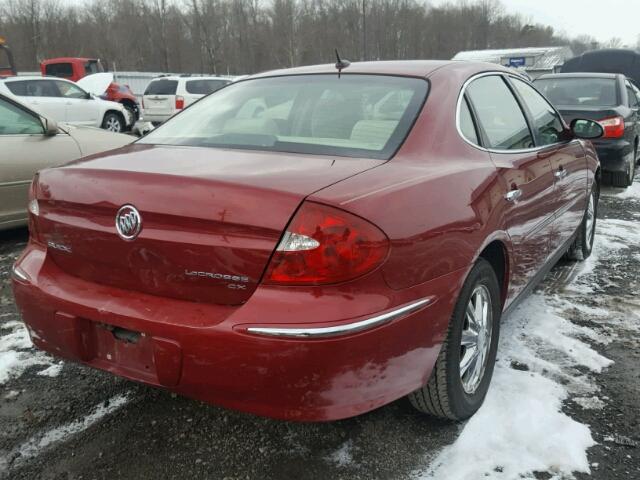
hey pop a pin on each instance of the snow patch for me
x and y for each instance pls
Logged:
(589, 403)
(612, 236)
(630, 192)
(12, 394)
(343, 456)
(521, 428)
(52, 371)
(39, 442)
(17, 353)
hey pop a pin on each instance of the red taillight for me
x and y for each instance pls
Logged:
(325, 245)
(142, 102)
(179, 102)
(613, 127)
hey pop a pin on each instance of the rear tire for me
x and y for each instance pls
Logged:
(450, 392)
(113, 122)
(624, 179)
(583, 244)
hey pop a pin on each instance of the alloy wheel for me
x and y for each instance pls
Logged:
(476, 339)
(113, 124)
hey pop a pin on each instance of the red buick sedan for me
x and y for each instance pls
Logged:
(309, 244)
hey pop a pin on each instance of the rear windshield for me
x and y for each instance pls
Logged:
(204, 87)
(64, 70)
(596, 92)
(354, 115)
(92, 66)
(162, 87)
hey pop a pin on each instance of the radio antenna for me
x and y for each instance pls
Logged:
(340, 63)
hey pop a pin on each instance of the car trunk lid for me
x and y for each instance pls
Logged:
(211, 218)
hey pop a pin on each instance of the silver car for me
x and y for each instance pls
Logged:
(30, 142)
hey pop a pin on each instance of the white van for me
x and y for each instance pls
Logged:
(165, 96)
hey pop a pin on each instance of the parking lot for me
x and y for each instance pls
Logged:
(567, 379)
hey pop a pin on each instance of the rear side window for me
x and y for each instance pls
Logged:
(546, 121)
(34, 88)
(499, 114)
(636, 91)
(352, 115)
(579, 91)
(17, 88)
(467, 126)
(64, 70)
(162, 87)
(204, 87)
(631, 94)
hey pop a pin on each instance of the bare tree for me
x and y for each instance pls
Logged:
(245, 36)
(613, 42)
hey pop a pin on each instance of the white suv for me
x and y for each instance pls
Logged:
(64, 101)
(165, 96)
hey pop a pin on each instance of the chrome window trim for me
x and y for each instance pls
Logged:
(349, 328)
(463, 90)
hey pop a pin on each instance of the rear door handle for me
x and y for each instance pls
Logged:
(513, 195)
(560, 173)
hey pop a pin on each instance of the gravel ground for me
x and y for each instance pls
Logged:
(82, 423)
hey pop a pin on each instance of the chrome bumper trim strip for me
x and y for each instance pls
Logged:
(20, 274)
(348, 328)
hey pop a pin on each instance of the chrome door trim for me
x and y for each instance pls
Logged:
(496, 73)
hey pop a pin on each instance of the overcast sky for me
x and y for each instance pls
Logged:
(602, 19)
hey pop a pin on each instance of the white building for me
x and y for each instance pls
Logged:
(535, 61)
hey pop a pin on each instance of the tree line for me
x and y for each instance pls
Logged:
(246, 36)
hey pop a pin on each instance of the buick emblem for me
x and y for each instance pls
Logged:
(128, 222)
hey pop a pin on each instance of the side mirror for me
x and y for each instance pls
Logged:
(50, 127)
(89, 96)
(587, 129)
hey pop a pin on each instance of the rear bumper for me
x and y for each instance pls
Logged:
(614, 155)
(159, 118)
(206, 351)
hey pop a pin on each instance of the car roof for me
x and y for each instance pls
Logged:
(68, 60)
(189, 77)
(580, 75)
(409, 68)
(34, 77)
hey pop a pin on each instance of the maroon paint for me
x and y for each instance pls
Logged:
(439, 200)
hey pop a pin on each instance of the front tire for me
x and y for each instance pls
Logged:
(461, 376)
(583, 244)
(113, 122)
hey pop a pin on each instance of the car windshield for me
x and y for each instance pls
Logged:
(595, 92)
(352, 115)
